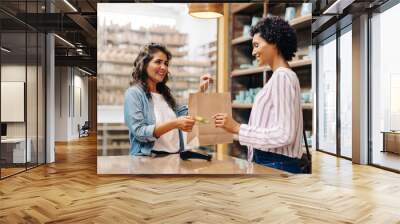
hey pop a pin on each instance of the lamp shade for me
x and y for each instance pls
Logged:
(206, 10)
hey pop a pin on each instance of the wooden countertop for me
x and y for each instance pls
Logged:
(172, 164)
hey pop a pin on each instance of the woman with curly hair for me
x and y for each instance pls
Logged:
(154, 119)
(273, 133)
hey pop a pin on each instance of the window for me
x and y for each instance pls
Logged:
(23, 76)
(385, 88)
(346, 93)
(327, 96)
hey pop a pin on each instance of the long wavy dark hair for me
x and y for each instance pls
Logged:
(140, 75)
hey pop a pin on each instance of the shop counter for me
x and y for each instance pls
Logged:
(173, 164)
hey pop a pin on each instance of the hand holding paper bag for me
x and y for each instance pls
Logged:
(225, 121)
(203, 106)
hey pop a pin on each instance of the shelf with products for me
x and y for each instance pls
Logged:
(110, 96)
(112, 139)
(255, 70)
(139, 37)
(242, 40)
(110, 80)
(242, 105)
(245, 74)
(115, 73)
(301, 21)
(132, 50)
(306, 106)
(167, 43)
(113, 86)
(127, 59)
(116, 136)
(245, 8)
(112, 127)
(298, 23)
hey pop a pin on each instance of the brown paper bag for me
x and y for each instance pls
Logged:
(207, 105)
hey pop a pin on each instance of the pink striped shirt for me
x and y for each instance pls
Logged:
(276, 120)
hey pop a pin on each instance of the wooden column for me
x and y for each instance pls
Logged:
(223, 58)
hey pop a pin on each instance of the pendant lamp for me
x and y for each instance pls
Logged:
(206, 10)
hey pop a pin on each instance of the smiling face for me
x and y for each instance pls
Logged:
(263, 51)
(157, 68)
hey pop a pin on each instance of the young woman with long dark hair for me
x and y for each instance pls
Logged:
(154, 119)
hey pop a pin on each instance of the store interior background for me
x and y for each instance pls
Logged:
(61, 81)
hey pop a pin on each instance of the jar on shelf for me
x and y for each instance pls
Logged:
(246, 31)
(306, 9)
(290, 13)
(255, 20)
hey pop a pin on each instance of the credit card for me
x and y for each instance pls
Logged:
(201, 120)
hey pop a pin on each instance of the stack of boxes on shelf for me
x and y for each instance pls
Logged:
(247, 77)
(118, 47)
(246, 96)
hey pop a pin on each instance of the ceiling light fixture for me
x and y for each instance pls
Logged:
(84, 71)
(5, 50)
(65, 41)
(337, 7)
(206, 10)
(70, 5)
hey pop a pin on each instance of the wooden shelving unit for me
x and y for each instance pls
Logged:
(242, 106)
(112, 139)
(249, 71)
(244, 75)
(255, 70)
(297, 23)
(241, 40)
(301, 22)
(305, 106)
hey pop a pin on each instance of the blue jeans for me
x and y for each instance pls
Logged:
(277, 161)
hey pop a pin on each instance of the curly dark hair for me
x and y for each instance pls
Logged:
(140, 75)
(277, 31)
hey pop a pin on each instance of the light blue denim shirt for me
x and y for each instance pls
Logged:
(140, 119)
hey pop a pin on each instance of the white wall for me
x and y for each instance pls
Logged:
(196, 29)
(80, 83)
(68, 81)
(33, 125)
(61, 103)
(14, 73)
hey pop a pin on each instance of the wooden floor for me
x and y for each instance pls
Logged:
(10, 171)
(70, 191)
